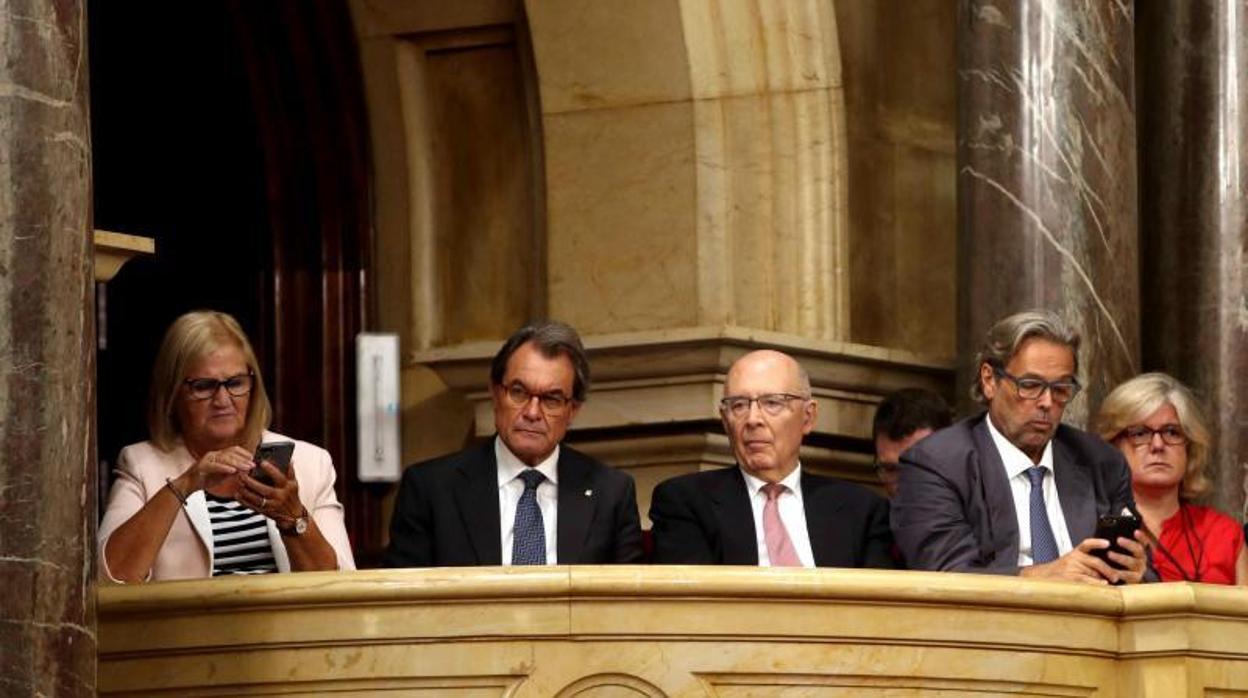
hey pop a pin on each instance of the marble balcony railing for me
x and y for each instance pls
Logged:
(669, 631)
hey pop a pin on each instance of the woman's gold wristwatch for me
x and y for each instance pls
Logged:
(296, 526)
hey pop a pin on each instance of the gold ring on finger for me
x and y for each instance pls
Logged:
(264, 502)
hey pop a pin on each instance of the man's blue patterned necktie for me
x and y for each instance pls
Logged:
(529, 531)
(1043, 544)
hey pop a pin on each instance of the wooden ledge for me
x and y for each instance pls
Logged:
(115, 249)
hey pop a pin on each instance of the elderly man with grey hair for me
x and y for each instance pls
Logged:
(1013, 490)
(768, 511)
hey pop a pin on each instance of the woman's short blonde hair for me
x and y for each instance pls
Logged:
(1132, 402)
(189, 339)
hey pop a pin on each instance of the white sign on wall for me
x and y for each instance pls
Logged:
(377, 405)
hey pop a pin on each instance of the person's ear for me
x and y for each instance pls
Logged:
(810, 415)
(987, 381)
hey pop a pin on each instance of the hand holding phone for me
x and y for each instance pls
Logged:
(276, 452)
(1110, 528)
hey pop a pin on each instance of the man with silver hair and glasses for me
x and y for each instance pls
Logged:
(521, 498)
(768, 511)
(1013, 490)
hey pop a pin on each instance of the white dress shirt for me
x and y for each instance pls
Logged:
(792, 514)
(510, 487)
(1016, 465)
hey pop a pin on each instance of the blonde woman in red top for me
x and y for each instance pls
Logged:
(1158, 425)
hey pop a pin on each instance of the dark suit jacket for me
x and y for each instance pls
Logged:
(705, 519)
(954, 511)
(446, 513)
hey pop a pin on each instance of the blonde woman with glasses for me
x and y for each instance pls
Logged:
(1158, 425)
(192, 502)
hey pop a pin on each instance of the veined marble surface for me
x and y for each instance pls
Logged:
(47, 353)
(1047, 177)
(1194, 217)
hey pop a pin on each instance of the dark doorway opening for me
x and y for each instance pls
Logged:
(234, 134)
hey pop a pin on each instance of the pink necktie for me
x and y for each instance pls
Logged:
(779, 547)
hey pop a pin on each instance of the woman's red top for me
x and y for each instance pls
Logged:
(1203, 541)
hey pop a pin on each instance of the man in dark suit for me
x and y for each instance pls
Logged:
(768, 511)
(1014, 491)
(521, 498)
(904, 418)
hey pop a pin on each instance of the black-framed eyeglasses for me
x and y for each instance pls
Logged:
(772, 404)
(552, 403)
(1031, 388)
(205, 388)
(1140, 435)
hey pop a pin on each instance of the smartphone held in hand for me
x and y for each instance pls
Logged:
(1111, 527)
(276, 452)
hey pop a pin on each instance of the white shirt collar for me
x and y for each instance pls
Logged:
(793, 482)
(1015, 461)
(510, 467)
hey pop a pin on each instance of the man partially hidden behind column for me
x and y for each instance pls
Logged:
(904, 418)
(768, 511)
(520, 498)
(1012, 490)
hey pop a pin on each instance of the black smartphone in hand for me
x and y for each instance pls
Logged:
(276, 452)
(1111, 527)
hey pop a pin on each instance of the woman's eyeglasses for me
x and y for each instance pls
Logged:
(1140, 435)
(205, 388)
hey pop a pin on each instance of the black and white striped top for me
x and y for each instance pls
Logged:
(240, 539)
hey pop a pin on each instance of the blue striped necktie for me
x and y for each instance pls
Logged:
(528, 546)
(1043, 544)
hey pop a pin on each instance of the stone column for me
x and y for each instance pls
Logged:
(47, 355)
(1193, 101)
(1046, 176)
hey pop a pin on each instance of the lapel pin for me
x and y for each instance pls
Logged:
(589, 493)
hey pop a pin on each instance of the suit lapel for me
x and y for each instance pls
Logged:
(197, 513)
(998, 499)
(829, 546)
(1074, 491)
(476, 496)
(731, 501)
(576, 508)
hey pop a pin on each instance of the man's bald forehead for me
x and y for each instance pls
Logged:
(787, 373)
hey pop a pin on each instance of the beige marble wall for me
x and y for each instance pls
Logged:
(899, 67)
(670, 631)
(695, 164)
(457, 168)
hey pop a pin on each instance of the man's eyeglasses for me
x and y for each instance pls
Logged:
(205, 388)
(772, 404)
(1031, 388)
(552, 403)
(1140, 435)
